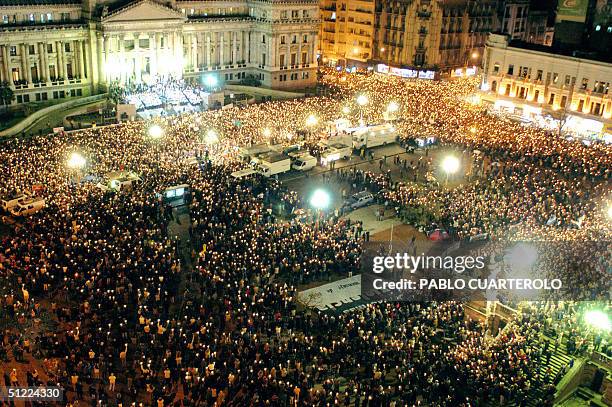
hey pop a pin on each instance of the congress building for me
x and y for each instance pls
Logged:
(55, 49)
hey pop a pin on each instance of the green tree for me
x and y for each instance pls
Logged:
(115, 92)
(250, 80)
(6, 94)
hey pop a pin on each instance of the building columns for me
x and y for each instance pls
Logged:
(80, 45)
(64, 64)
(233, 40)
(120, 60)
(43, 75)
(59, 72)
(137, 60)
(5, 66)
(248, 47)
(102, 52)
(152, 54)
(222, 49)
(26, 64)
(200, 50)
(194, 52)
(208, 56)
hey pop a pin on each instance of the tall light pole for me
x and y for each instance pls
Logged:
(362, 101)
(392, 109)
(450, 165)
(155, 131)
(76, 162)
(319, 200)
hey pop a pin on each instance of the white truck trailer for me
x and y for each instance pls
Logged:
(273, 164)
(374, 136)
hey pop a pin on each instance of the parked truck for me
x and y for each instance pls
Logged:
(335, 151)
(273, 164)
(374, 136)
(252, 154)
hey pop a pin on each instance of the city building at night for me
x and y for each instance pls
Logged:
(305, 203)
(417, 34)
(535, 79)
(55, 49)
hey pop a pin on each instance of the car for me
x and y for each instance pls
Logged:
(10, 201)
(359, 200)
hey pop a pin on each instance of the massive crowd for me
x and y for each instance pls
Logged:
(116, 306)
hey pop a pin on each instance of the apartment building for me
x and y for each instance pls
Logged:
(533, 76)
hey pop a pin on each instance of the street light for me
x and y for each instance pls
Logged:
(346, 110)
(362, 100)
(211, 81)
(267, 132)
(393, 107)
(450, 165)
(76, 161)
(211, 137)
(320, 199)
(156, 131)
(598, 319)
(312, 120)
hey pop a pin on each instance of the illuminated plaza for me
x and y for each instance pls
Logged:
(324, 227)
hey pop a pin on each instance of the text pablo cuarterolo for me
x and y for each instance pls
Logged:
(459, 264)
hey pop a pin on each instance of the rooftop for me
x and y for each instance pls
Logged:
(5, 3)
(583, 54)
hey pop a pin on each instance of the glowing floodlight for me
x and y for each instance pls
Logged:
(450, 165)
(156, 131)
(597, 319)
(320, 199)
(211, 81)
(362, 100)
(211, 137)
(312, 120)
(76, 161)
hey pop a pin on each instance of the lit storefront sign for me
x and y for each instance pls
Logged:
(405, 73)
(469, 71)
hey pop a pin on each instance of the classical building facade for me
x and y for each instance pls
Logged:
(53, 49)
(532, 75)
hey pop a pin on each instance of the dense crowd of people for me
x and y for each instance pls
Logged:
(114, 305)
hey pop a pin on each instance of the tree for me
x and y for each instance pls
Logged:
(250, 80)
(115, 92)
(6, 94)
(561, 116)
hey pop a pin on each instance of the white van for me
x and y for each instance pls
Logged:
(304, 162)
(27, 207)
(11, 201)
